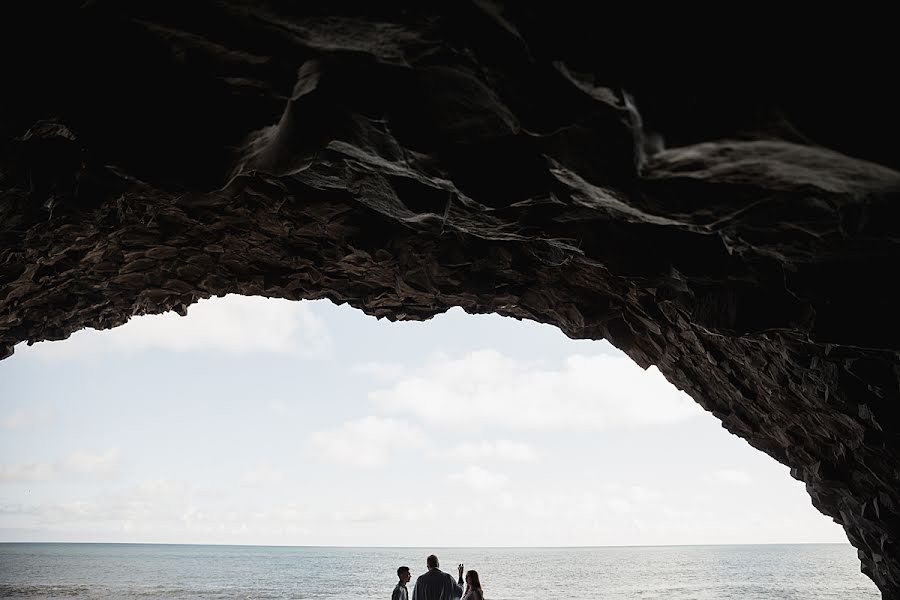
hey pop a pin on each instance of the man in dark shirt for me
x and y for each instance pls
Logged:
(400, 591)
(435, 584)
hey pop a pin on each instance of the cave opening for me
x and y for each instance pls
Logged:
(267, 422)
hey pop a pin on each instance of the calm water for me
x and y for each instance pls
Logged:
(245, 572)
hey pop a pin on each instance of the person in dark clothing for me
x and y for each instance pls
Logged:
(400, 591)
(435, 584)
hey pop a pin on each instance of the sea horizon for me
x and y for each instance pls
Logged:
(153, 571)
(449, 547)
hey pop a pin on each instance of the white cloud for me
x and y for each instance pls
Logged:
(233, 324)
(366, 443)
(81, 463)
(394, 512)
(148, 502)
(497, 450)
(621, 505)
(85, 462)
(179, 511)
(263, 474)
(364, 515)
(479, 478)
(643, 495)
(732, 476)
(632, 498)
(555, 506)
(26, 472)
(487, 389)
(27, 418)
(384, 371)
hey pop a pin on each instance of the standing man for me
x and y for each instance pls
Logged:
(400, 591)
(435, 584)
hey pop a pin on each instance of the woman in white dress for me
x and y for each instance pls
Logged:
(473, 585)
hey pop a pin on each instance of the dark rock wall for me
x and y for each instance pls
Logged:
(741, 233)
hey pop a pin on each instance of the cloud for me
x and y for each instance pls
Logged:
(91, 463)
(632, 498)
(402, 513)
(732, 476)
(232, 325)
(555, 506)
(487, 389)
(365, 443)
(81, 463)
(149, 501)
(364, 515)
(181, 511)
(263, 474)
(479, 478)
(384, 371)
(498, 450)
(26, 472)
(27, 418)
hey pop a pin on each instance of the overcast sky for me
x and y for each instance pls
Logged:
(255, 421)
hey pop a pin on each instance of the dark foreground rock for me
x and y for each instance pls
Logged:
(739, 231)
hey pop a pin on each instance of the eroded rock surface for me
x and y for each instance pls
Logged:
(409, 158)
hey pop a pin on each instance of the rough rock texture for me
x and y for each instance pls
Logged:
(738, 232)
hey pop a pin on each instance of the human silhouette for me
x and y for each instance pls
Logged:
(435, 584)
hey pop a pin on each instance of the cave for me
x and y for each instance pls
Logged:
(734, 227)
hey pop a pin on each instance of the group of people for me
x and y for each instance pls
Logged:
(437, 585)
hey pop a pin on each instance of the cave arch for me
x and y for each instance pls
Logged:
(408, 159)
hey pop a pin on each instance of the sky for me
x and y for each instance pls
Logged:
(258, 421)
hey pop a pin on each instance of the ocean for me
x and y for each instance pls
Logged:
(151, 571)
